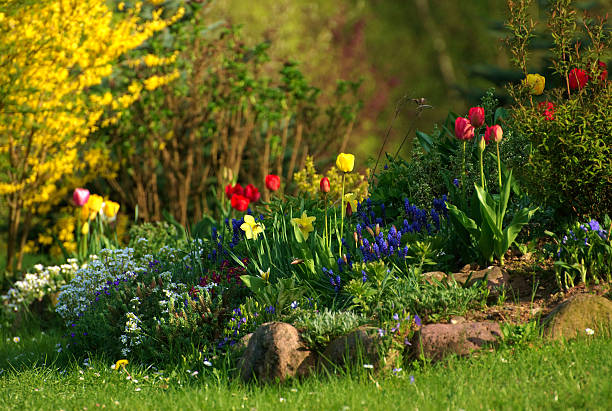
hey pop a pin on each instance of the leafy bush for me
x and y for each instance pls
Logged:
(568, 127)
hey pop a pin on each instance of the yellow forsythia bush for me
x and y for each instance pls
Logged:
(53, 54)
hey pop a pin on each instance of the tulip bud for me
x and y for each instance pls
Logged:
(85, 228)
(355, 237)
(476, 116)
(482, 144)
(324, 185)
(349, 209)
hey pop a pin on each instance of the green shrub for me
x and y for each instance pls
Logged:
(571, 164)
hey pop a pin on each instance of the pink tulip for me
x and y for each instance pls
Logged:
(477, 116)
(464, 129)
(80, 196)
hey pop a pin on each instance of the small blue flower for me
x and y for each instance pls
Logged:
(381, 332)
(417, 320)
(294, 305)
(456, 182)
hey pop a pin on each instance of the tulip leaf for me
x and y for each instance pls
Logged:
(503, 200)
(518, 221)
(488, 213)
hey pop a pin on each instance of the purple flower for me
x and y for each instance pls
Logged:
(381, 332)
(417, 320)
(456, 182)
(412, 379)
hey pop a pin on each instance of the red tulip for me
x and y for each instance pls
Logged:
(464, 129)
(252, 193)
(577, 79)
(272, 182)
(80, 196)
(231, 190)
(477, 116)
(493, 133)
(324, 185)
(240, 202)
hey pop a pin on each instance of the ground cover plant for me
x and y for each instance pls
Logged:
(261, 233)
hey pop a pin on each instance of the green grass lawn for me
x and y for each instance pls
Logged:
(574, 375)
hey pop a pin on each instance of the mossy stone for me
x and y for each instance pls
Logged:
(571, 318)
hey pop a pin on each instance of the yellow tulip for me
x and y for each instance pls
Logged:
(85, 228)
(304, 223)
(536, 83)
(251, 228)
(94, 204)
(85, 212)
(111, 209)
(345, 162)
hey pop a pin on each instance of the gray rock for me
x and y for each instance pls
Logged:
(435, 341)
(572, 317)
(276, 351)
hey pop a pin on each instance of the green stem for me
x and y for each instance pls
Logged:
(325, 231)
(482, 182)
(342, 214)
(499, 169)
(462, 174)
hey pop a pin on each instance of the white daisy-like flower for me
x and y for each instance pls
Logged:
(589, 331)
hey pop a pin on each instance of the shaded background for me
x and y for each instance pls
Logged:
(416, 48)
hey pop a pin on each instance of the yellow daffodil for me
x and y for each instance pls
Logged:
(251, 228)
(304, 223)
(352, 200)
(345, 162)
(536, 83)
(111, 209)
(121, 364)
(265, 275)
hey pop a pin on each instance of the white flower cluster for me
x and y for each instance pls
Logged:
(43, 281)
(133, 333)
(112, 265)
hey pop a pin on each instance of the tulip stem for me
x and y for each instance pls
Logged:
(325, 231)
(342, 213)
(499, 169)
(482, 181)
(463, 173)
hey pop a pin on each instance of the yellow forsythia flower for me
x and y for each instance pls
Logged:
(536, 83)
(345, 162)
